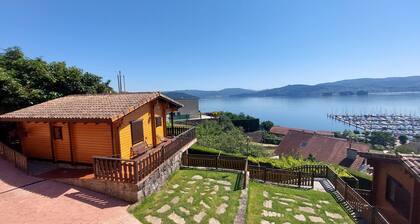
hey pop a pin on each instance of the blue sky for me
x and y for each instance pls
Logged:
(214, 44)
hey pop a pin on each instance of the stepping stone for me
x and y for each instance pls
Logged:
(153, 220)
(204, 204)
(216, 188)
(266, 222)
(191, 182)
(287, 200)
(184, 210)
(289, 209)
(308, 204)
(213, 192)
(183, 192)
(227, 188)
(213, 221)
(175, 200)
(225, 198)
(287, 223)
(279, 194)
(175, 186)
(202, 194)
(197, 218)
(300, 198)
(176, 218)
(224, 182)
(210, 179)
(265, 194)
(318, 206)
(316, 219)
(170, 191)
(190, 200)
(266, 213)
(197, 177)
(268, 204)
(333, 215)
(221, 209)
(307, 210)
(324, 202)
(300, 218)
(164, 209)
(284, 203)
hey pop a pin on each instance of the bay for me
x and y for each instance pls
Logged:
(311, 112)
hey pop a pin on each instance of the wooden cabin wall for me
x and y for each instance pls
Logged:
(36, 141)
(91, 139)
(142, 113)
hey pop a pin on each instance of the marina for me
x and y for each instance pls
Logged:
(397, 124)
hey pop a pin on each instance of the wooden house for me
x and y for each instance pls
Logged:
(76, 128)
(396, 186)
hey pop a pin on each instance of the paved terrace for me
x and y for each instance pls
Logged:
(27, 199)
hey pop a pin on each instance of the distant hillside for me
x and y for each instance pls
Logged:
(339, 88)
(345, 87)
(216, 94)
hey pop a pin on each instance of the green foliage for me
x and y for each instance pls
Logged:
(382, 138)
(403, 139)
(413, 147)
(233, 116)
(267, 125)
(269, 138)
(225, 136)
(26, 81)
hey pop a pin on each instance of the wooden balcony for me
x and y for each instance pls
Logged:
(136, 169)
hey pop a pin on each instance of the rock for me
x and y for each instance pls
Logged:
(175, 186)
(176, 218)
(268, 204)
(300, 218)
(197, 177)
(164, 209)
(184, 210)
(224, 182)
(265, 194)
(266, 213)
(175, 200)
(225, 198)
(221, 209)
(289, 209)
(284, 203)
(216, 188)
(308, 204)
(204, 204)
(153, 220)
(197, 218)
(318, 206)
(227, 188)
(170, 191)
(287, 200)
(333, 215)
(316, 219)
(266, 222)
(191, 182)
(324, 202)
(307, 210)
(213, 221)
(213, 192)
(190, 200)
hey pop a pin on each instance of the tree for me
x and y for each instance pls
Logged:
(25, 81)
(382, 138)
(403, 139)
(266, 125)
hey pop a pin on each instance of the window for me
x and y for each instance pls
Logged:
(158, 121)
(137, 132)
(398, 196)
(58, 133)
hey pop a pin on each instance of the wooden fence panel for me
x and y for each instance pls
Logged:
(19, 160)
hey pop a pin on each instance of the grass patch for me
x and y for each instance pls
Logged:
(300, 197)
(180, 185)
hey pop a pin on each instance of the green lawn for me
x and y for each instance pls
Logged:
(192, 195)
(274, 204)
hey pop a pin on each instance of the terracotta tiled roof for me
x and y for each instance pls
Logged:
(95, 107)
(411, 162)
(323, 148)
(280, 130)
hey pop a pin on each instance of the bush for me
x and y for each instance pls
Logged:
(225, 136)
(266, 125)
(269, 138)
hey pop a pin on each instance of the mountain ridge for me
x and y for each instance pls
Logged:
(360, 86)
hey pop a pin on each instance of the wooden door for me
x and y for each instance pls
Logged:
(61, 140)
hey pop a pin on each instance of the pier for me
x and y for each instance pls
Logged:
(396, 124)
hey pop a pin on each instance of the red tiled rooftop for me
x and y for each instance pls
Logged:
(323, 148)
(100, 106)
(281, 130)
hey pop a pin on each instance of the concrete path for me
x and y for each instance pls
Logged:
(26, 199)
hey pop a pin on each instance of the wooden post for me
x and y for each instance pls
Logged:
(153, 120)
(345, 192)
(136, 172)
(299, 178)
(52, 140)
(312, 180)
(172, 123)
(265, 174)
(71, 144)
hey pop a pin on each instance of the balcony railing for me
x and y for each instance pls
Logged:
(135, 170)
